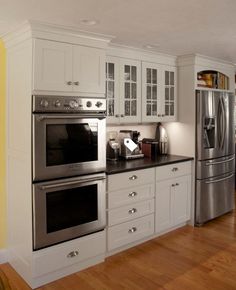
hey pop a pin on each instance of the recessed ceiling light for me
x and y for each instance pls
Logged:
(89, 22)
(151, 46)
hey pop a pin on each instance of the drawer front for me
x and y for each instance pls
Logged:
(130, 179)
(129, 196)
(173, 170)
(129, 232)
(66, 254)
(130, 212)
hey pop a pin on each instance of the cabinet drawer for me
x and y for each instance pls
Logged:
(130, 212)
(56, 257)
(130, 179)
(129, 196)
(173, 170)
(129, 232)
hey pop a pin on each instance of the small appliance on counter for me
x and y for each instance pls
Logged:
(113, 146)
(150, 148)
(130, 146)
(162, 138)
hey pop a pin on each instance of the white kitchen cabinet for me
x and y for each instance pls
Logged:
(123, 90)
(63, 67)
(173, 198)
(130, 207)
(158, 92)
(172, 202)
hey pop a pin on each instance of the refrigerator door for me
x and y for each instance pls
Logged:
(214, 197)
(215, 124)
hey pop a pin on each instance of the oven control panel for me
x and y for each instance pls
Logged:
(65, 104)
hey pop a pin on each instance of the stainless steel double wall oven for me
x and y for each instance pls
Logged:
(69, 161)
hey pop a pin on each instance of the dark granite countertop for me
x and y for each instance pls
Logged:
(142, 163)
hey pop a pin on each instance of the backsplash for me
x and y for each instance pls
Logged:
(146, 131)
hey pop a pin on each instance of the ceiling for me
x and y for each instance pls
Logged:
(172, 26)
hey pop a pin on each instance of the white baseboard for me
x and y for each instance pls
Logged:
(3, 256)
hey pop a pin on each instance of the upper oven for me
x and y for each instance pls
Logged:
(68, 136)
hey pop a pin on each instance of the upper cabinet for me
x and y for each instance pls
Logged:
(123, 90)
(158, 92)
(63, 67)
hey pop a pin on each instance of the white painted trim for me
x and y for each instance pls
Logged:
(3, 256)
(36, 29)
(140, 54)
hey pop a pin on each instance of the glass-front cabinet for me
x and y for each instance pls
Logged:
(123, 90)
(158, 92)
(112, 89)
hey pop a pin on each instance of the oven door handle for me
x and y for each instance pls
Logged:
(43, 117)
(50, 186)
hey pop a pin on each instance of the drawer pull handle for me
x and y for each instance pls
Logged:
(132, 210)
(177, 184)
(133, 177)
(73, 254)
(175, 169)
(132, 194)
(132, 230)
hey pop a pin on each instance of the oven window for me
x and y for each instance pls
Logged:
(71, 207)
(71, 143)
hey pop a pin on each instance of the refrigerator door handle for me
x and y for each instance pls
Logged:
(223, 123)
(219, 127)
(220, 179)
(219, 162)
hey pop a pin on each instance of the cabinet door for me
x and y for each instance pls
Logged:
(181, 199)
(112, 90)
(52, 66)
(163, 205)
(88, 70)
(130, 91)
(170, 91)
(151, 92)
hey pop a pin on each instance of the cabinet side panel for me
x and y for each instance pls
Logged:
(19, 71)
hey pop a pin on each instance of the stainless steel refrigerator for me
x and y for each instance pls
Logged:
(215, 159)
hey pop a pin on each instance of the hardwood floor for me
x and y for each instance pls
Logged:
(186, 259)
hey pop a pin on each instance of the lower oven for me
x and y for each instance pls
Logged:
(68, 208)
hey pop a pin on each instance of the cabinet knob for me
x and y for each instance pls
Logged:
(76, 83)
(122, 115)
(173, 185)
(117, 116)
(175, 169)
(133, 177)
(159, 115)
(132, 230)
(73, 254)
(163, 115)
(132, 194)
(177, 184)
(132, 210)
(69, 83)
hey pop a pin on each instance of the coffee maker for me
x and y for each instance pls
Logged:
(130, 146)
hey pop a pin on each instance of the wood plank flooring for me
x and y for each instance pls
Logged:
(186, 259)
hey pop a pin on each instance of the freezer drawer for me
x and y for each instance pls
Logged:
(215, 167)
(214, 197)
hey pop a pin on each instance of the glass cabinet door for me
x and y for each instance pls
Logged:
(151, 106)
(130, 91)
(112, 89)
(169, 93)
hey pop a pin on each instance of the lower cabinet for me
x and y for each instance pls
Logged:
(172, 202)
(131, 203)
